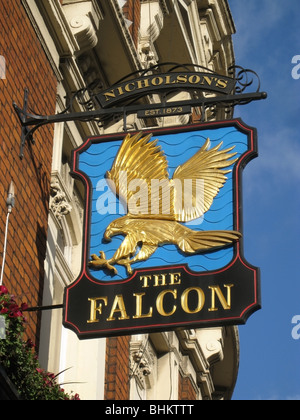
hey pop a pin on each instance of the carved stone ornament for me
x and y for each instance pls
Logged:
(142, 360)
(58, 201)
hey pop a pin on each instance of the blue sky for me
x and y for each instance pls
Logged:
(267, 39)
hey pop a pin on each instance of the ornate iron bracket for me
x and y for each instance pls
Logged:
(90, 97)
(26, 134)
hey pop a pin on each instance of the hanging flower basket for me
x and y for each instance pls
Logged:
(18, 358)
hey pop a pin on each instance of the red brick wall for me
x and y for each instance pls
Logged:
(117, 369)
(185, 389)
(26, 66)
(132, 11)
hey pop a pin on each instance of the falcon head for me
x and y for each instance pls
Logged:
(117, 227)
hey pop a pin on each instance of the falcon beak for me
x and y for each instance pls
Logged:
(107, 235)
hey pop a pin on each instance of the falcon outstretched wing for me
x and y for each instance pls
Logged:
(138, 162)
(200, 180)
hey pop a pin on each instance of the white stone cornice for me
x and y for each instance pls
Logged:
(84, 21)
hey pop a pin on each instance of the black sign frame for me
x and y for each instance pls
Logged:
(164, 298)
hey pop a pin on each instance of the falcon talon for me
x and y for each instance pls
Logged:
(101, 263)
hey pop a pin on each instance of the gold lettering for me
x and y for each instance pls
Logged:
(208, 80)
(139, 306)
(94, 309)
(118, 306)
(145, 279)
(160, 280)
(226, 304)
(185, 300)
(160, 302)
(109, 95)
(175, 279)
(141, 84)
(194, 79)
(157, 81)
(222, 83)
(182, 78)
(168, 80)
(128, 88)
(120, 90)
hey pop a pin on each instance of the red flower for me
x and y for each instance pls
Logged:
(3, 290)
(24, 307)
(13, 307)
(15, 314)
(3, 311)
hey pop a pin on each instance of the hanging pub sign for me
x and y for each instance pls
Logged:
(163, 235)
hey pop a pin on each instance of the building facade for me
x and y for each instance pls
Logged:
(55, 48)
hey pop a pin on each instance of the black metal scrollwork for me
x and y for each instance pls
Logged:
(244, 78)
(240, 80)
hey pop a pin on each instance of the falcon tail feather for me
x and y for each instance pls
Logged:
(197, 241)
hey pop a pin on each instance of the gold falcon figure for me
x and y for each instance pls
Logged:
(156, 222)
